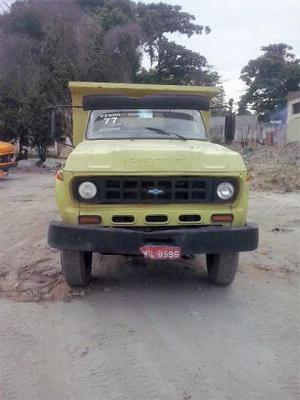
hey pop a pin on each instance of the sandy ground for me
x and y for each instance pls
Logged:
(146, 331)
(273, 167)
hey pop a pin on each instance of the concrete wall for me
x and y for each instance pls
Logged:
(293, 120)
(249, 130)
(246, 127)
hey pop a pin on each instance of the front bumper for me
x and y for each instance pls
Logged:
(207, 239)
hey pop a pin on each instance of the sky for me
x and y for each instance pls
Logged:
(239, 29)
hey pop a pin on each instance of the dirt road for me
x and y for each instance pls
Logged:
(146, 331)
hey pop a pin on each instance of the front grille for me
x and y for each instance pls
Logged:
(152, 190)
(7, 158)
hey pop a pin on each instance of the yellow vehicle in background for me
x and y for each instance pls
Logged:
(7, 156)
(145, 180)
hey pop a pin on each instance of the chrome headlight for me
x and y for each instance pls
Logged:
(87, 190)
(225, 190)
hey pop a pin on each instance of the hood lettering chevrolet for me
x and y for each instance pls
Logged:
(149, 161)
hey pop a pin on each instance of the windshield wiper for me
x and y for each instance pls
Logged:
(163, 132)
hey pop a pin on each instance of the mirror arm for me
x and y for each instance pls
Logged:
(69, 145)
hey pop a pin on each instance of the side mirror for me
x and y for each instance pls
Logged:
(56, 125)
(229, 131)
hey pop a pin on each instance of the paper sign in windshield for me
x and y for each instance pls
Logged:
(145, 114)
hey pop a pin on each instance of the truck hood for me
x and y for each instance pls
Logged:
(149, 156)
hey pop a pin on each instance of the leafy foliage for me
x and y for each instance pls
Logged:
(177, 65)
(50, 43)
(11, 119)
(158, 19)
(269, 79)
(38, 121)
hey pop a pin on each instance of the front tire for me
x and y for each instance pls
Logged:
(222, 267)
(76, 267)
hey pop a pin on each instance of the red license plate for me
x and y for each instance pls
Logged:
(161, 252)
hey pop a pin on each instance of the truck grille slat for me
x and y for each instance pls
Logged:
(141, 190)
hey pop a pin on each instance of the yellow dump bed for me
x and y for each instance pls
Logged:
(80, 89)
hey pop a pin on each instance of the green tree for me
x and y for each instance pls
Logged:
(46, 44)
(180, 66)
(159, 19)
(128, 28)
(88, 40)
(219, 104)
(90, 5)
(30, 122)
(38, 122)
(269, 78)
(10, 119)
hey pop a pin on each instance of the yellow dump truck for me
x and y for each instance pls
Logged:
(144, 180)
(7, 156)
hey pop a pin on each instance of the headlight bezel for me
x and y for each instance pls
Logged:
(225, 191)
(92, 186)
(231, 181)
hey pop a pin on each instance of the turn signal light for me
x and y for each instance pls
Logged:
(89, 220)
(59, 175)
(222, 218)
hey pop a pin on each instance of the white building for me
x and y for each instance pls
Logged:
(293, 117)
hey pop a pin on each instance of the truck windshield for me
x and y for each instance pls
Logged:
(146, 124)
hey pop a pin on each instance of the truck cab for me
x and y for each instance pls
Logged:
(7, 156)
(144, 180)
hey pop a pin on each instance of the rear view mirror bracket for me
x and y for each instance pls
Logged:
(229, 132)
